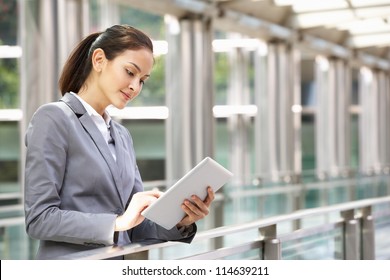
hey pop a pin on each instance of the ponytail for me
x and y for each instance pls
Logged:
(78, 66)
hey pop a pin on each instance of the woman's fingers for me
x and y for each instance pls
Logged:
(210, 196)
(156, 193)
(198, 209)
(204, 205)
(132, 216)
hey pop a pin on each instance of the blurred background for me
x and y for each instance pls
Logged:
(292, 96)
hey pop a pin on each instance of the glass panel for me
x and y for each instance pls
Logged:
(9, 157)
(180, 251)
(8, 22)
(381, 230)
(9, 77)
(355, 121)
(243, 237)
(308, 146)
(254, 254)
(9, 83)
(308, 93)
(203, 246)
(355, 142)
(149, 144)
(222, 147)
(317, 194)
(221, 77)
(222, 140)
(15, 244)
(248, 204)
(308, 100)
(251, 77)
(324, 246)
(355, 87)
(94, 15)
(382, 241)
(371, 187)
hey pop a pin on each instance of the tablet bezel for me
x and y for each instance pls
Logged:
(166, 210)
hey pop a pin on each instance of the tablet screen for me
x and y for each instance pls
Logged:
(166, 211)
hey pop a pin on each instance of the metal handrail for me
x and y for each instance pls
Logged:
(265, 224)
(15, 221)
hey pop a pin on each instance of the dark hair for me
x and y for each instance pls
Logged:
(114, 41)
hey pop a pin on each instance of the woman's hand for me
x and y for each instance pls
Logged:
(132, 217)
(196, 209)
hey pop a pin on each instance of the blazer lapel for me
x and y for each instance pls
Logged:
(96, 136)
(120, 159)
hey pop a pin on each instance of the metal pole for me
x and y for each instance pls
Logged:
(272, 245)
(367, 234)
(351, 236)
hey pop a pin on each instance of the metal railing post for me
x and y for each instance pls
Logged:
(143, 255)
(217, 219)
(351, 236)
(272, 245)
(367, 234)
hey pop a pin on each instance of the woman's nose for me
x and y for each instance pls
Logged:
(133, 86)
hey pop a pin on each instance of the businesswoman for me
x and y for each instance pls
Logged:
(82, 185)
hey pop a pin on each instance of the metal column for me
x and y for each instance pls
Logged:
(383, 121)
(351, 236)
(238, 124)
(272, 248)
(333, 81)
(190, 97)
(47, 37)
(367, 234)
(48, 31)
(278, 121)
(374, 125)
(369, 131)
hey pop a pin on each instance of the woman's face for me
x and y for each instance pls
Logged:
(122, 78)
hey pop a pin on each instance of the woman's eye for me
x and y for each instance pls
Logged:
(142, 82)
(129, 72)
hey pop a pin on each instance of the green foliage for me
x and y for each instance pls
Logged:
(153, 92)
(151, 24)
(9, 80)
(9, 84)
(8, 22)
(221, 76)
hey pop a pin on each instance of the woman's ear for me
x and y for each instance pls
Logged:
(98, 59)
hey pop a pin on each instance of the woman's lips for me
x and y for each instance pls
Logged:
(126, 95)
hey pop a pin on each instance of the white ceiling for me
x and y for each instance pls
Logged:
(356, 25)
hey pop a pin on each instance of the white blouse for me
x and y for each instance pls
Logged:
(102, 123)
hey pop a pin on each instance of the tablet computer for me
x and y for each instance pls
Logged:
(166, 210)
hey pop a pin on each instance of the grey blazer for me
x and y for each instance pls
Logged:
(74, 189)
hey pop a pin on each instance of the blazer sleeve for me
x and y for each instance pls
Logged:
(47, 142)
(151, 232)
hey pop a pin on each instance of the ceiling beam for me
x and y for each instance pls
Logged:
(367, 40)
(159, 7)
(235, 21)
(339, 16)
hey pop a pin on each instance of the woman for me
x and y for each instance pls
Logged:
(82, 185)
